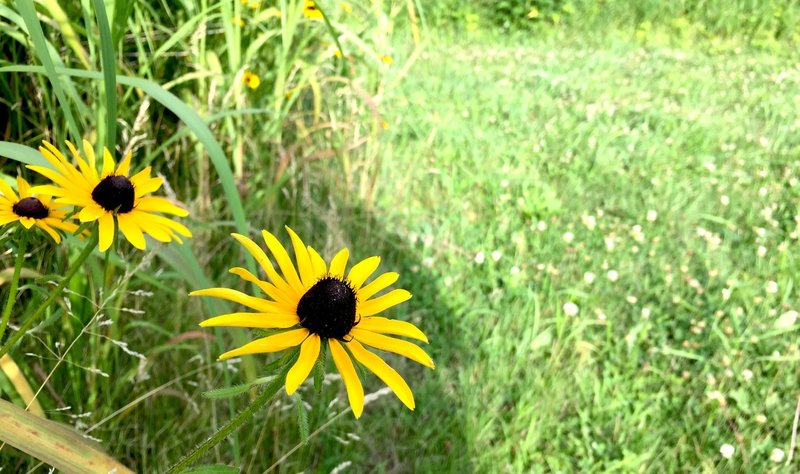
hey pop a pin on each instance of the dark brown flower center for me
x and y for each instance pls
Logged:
(30, 207)
(114, 193)
(328, 308)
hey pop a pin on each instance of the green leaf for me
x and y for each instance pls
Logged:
(53, 443)
(23, 154)
(302, 418)
(234, 390)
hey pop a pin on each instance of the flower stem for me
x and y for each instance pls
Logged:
(12, 290)
(73, 269)
(269, 391)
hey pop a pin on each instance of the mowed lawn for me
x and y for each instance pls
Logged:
(601, 239)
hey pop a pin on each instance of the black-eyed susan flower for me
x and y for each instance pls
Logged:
(315, 303)
(311, 11)
(110, 197)
(33, 210)
(251, 79)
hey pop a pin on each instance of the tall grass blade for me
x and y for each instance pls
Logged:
(28, 12)
(108, 61)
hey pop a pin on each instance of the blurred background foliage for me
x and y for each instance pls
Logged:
(502, 156)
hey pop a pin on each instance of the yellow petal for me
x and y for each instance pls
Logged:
(91, 213)
(268, 288)
(380, 368)
(258, 304)
(106, 229)
(108, 161)
(160, 204)
(147, 186)
(131, 231)
(362, 270)
(43, 225)
(23, 187)
(124, 167)
(284, 262)
(391, 326)
(265, 263)
(27, 222)
(252, 320)
(7, 191)
(381, 303)
(305, 362)
(88, 150)
(303, 260)
(377, 285)
(274, 343)
(317, 264)
(398, 346)
(355, 391)
(339, 263)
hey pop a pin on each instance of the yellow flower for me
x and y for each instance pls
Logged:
(30, 210)
(386, 59)
(251, 79)
(110, 197)
(237, 19)
(318, 303)
(311, 11)
(346, 7)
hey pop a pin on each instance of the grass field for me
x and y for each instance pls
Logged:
(599, 231)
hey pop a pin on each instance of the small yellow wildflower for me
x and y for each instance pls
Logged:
(311, 11)
(346, 7)
(534, 13)
(251, 79)
(386, 59)
(239, 20)
(337, 53)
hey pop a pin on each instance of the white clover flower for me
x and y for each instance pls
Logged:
(747, 374)
(496, 255)
(568, 237)
(570, 309)
(480, 258)
(761, 251)
(725, 200)
(771, 287)
(761, 418)
(777, 455)
(646, 312)
(612, 275)
(726, 450)
(652, 215)
(589, 221)
(588, 277)
(541, 226)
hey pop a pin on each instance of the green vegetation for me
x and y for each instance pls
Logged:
(598, 225)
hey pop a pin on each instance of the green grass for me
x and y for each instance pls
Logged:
(496, 146)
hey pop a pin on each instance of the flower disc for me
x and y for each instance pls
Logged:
(30, 207)
(328, 308)
(114, 193)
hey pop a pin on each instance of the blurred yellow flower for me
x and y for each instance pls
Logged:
(534, 13)
(30, 210)
(237, 19)
(386, 59)
(311, 11)
(251, 79)
(337, 53)
(346, 7)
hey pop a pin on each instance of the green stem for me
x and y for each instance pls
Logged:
(269, 391)
(12, 292)
(73, 269)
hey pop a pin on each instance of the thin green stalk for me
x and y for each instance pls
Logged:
(12, 291)
(269, 391)
(73, 269)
